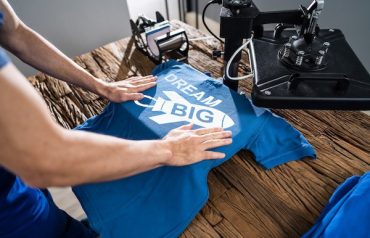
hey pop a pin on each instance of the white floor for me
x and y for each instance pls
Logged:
(66, 200)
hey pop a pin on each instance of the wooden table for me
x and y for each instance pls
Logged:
(245, 200)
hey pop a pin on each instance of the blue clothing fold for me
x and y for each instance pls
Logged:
(162, 202)
(348, 212)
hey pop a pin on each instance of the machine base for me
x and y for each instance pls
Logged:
(344, 83)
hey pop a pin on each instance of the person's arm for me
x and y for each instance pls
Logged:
(36, 51)
(44, 154)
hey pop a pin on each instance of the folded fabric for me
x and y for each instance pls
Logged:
(348, 212)
(163, 202)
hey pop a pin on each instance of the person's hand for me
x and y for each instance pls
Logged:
(128, 89)
(191, 146)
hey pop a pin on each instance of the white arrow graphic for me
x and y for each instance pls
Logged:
(178, 109)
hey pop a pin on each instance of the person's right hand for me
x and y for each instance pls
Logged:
(128, 89)
(191, 146)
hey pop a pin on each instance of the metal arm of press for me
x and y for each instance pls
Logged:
(253, 20)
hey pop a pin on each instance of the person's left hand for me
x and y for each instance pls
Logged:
(128, 89)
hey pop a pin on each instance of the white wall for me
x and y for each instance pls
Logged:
(149, 7)
(74, 26)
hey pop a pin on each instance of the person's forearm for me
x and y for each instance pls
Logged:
(44, 154)
(36, 51)
(83, 157)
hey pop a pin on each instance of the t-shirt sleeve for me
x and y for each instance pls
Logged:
(4, 59)
(278, 142)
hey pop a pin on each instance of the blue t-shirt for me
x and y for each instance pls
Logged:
(347, 214)
(163, 201)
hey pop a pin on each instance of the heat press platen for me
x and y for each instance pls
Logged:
(343, 84)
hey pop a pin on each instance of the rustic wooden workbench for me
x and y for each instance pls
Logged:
(245, 200)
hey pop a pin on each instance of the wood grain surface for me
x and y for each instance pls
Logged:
(245, 200)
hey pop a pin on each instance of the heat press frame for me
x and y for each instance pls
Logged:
(297, 65)
(172, 45)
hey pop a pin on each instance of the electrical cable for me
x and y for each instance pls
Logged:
(241, 48)
(204, 21)
(249, 40)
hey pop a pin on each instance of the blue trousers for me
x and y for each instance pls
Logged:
(68, 226)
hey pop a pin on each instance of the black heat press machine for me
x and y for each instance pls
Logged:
(296, 65)
(156, 39)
